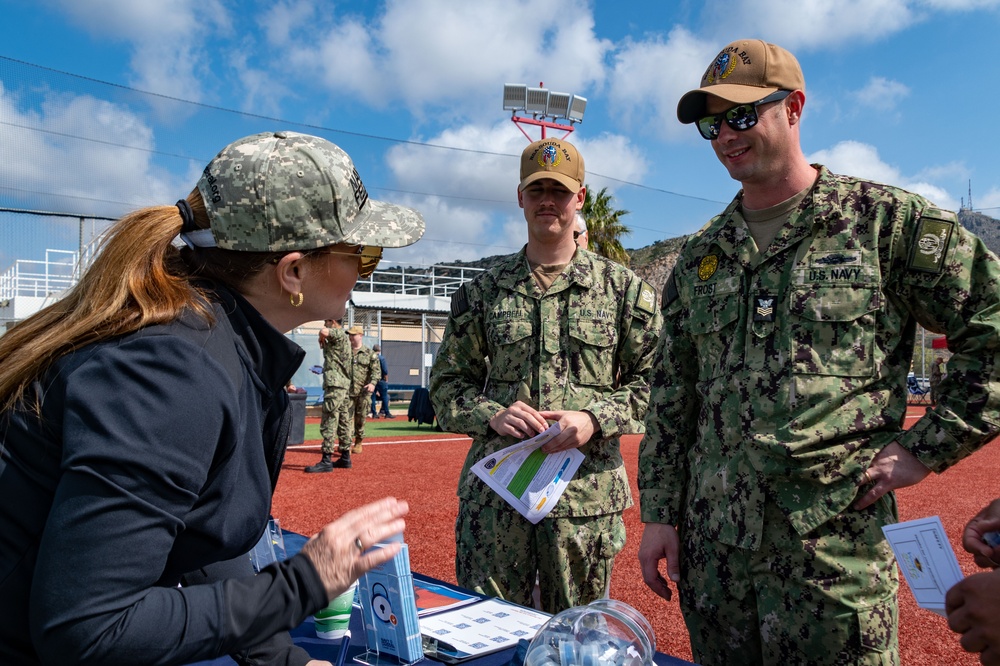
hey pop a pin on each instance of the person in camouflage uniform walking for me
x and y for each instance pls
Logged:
(774, 437)
(335, 422)
(551, 333)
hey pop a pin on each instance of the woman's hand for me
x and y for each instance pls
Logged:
(338, 550)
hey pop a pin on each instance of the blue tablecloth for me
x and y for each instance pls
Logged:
(305, 634)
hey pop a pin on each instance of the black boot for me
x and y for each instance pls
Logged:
(344, 462)
(324, 465)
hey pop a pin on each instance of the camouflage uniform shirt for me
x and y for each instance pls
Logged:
(587, 343)
(783, 373)
(336, 359)
(365, 369)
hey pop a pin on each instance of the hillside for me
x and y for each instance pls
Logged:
(654, 262)
(984, 226)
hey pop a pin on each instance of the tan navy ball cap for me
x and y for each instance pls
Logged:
(283, 191)
(745, 71)
(355, 330)
(555, 159)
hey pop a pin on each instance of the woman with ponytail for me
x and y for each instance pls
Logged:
(143, 420)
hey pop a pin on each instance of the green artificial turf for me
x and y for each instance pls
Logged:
(382, 428)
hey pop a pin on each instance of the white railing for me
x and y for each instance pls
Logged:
(59, 271)
(27, 277)
(427, 281)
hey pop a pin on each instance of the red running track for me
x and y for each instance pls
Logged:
(424, 471)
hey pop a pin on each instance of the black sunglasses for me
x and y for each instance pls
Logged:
(741, 117)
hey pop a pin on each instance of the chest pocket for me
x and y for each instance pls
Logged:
(832, 330)
(711, 324)
(592, 351)
(512, 350)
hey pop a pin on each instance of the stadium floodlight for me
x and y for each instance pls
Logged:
(537, 101)
(576, 108)
(558, 106)
(514, 96)
(545, 107)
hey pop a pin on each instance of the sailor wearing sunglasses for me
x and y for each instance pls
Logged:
(773, 442)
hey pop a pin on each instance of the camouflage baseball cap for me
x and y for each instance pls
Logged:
(555, 159)
(283, 191)
(744, 71)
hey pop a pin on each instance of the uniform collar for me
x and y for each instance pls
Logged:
(728, 231)
(515, 274)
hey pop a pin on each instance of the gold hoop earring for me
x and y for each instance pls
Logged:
(297, 299)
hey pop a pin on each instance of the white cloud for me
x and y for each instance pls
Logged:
(443, 55)
(454, 233)
(809, 24)
(165, 37)
(648, 77)
(862, 160)
(988, 203)
(881, 94)
(105, 175)
(483, 213)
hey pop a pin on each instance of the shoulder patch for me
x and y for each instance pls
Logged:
(646, 298)
(459, 302)
(931, 241)
(670, 290)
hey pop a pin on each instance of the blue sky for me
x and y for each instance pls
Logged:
(900, 91)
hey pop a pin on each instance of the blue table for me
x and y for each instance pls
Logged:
(305, 634)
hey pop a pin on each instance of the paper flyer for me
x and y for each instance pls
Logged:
(529, 480)
(482, 628)
(926, 558)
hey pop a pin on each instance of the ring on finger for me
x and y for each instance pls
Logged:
(868, 476)
(357, 542)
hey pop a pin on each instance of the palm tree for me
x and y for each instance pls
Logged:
(604, 226)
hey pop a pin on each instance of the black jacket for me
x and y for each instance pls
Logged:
(155, 456)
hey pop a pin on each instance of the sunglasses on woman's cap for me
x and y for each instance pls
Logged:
(741, 117)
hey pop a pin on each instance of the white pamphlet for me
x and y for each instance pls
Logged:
(926, 558)
(529, 480)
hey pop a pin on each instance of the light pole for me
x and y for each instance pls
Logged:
(545, 107)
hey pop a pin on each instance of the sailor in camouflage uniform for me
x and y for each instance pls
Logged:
(335, 422)
(774, 438)
(364, 371)
(552, 333)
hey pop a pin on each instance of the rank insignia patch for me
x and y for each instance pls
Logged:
(763, 308)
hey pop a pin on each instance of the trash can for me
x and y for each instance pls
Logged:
(297, 403)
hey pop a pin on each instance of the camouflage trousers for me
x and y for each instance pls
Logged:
(826, 597)
(499, 552)
(335, 422)
(359, 405)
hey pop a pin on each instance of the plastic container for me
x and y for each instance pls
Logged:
(606, 632)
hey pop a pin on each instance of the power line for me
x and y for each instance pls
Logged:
(322, 128)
